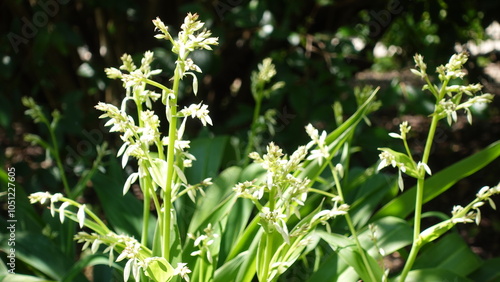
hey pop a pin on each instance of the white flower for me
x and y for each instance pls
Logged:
(275, 220)
(425, 166)
(199, 111)
(386, 159)
(325, 215)
(39, 197)
(182, 270)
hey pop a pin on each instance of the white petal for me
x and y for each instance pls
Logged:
(127, 270)
(381, 165)
(395, 135)
(95, 246)
(61, 211)
(81, 215)
(131, 179)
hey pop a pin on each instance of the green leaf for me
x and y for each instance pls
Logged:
(434, 274)
(86, 261)
(440, 182)
(347, 250)
(488, 271)
(333, 268)
(335, 140)
(214, 194)
(367, 197)
(209, 153)
(158, 172)
(229, 270)
(34, 249)
(22, 278)
(27, 218)
(124, 213)
(392, 234)
(411, 168)
(159, 269)
(234, 226)
(450, 253)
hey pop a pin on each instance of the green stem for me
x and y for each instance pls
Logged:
(407, 148)
(253, 133)
(172, 136)
(419, 201)
(55, 153)
(351, 226)
(314, 190)
(202, 266)
(145, 184)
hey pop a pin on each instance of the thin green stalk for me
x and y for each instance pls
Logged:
(253, 133)
(314, 190)
(419, 201)
(172, 136)
(351, 226)
(145, 184)
(55, 152)
(407, 148)
(268, 237)
(202, 266)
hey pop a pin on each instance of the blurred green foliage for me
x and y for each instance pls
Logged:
(56, 50)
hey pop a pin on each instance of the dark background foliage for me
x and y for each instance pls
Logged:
(55, 51)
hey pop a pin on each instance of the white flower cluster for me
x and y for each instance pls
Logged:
(449, 98)
(317, 140)
(203, 242)
(42, 197)
(324, 215)
(136, 140)
(190, 38)
(472, 213)
(199, 111)
(404, 129)
(136, 77)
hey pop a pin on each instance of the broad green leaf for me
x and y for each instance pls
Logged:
(440, 182)
(86, 261)
(235, 224)
(333, 268)
(27, 218)
(22, 278)
(209, 153)
(275, 240)
(109, 188)
(34, 249)
(392, 234)
(450, 253)
(247, 270)
(220, 189)
(229, 270)
(158, 172)
(159, 269)
(434, 274)
(336, 139)
(347, 250)
(488, 271)
(367, 197)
